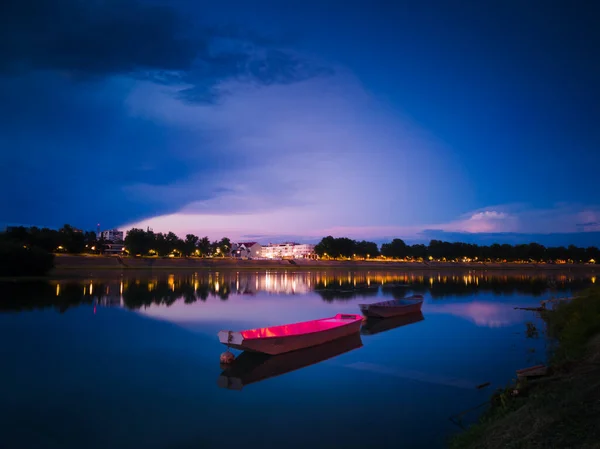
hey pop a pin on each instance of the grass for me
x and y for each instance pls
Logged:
(572, 325)
(558, 411)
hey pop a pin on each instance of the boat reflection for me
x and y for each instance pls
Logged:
(251, 367)
(373, 325)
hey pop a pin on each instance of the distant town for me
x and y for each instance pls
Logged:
(146, 243)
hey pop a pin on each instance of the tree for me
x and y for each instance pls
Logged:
(224, 246)
(325, 247)
(366, 249)
(161, 246)
(190, 244)
(19, 260)
(221, 248)
(397, 249)
(174, 243)
(73, 241)
(139, 241)
(204, 246)
(418, 251)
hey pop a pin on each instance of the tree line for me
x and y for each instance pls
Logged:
(139, 242)
(343, 247)
(70, 240)
(66, 239)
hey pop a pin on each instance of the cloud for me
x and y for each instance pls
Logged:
(66, 69)
(296, 159)
(522, 218)
(522, 226)
(94, 37)
(97, 39)
(590, 226)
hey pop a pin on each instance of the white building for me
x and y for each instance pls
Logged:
(288, 250)
(114, 235)
(246, 250)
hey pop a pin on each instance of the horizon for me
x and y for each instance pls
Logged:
(487, 239)
(274, 122)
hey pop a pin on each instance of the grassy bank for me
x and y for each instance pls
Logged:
(561, 410)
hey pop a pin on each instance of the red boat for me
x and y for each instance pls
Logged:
(395, 307)
(292, 337)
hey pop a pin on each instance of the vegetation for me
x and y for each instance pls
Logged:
(65, 240)
(446, 251)
(561, 410)
(20, 260)
(572, 324)
(345, 247)
(147, 242)
(74, 241)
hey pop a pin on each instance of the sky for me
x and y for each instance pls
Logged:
(271, 120)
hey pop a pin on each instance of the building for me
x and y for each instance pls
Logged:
(288, 250)
(114, 235)
(246, 250)
(114, 248)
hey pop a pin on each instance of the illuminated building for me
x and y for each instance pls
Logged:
(113, 235)
(288, 250)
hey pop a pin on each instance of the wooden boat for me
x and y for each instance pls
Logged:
(395, 307)
(532, 371)
(292, 337)
(251, 367)
(373, 325)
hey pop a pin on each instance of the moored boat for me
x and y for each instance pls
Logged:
(252, 367)
(292, 337)
(395, 307)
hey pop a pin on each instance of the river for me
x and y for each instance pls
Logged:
(133, 360)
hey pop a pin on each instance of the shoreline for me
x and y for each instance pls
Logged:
(557, 409)
(69, 263)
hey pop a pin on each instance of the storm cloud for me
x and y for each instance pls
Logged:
(100, 38)
(66, 71)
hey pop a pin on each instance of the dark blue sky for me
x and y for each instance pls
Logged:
(299, 119)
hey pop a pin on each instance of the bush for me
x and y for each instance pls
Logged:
(572, 324)
(18, 260)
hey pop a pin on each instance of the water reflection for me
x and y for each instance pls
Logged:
(482, 313)
(139, 291)
(373, 325)
(254, 367)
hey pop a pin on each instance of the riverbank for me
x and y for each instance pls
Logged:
(558, 410)
(71, 263)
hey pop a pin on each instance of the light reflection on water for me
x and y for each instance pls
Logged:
(122, 380)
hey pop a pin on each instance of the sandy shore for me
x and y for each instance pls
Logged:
(65, 263)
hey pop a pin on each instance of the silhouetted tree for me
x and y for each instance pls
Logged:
(190, 244)
(204, 246)
(397, 249)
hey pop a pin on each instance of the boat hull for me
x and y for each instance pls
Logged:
(288, 343)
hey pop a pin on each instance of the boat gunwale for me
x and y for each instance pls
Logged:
(357, 318)
(410, 302)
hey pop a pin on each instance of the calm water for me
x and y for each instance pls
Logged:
(133, 361)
